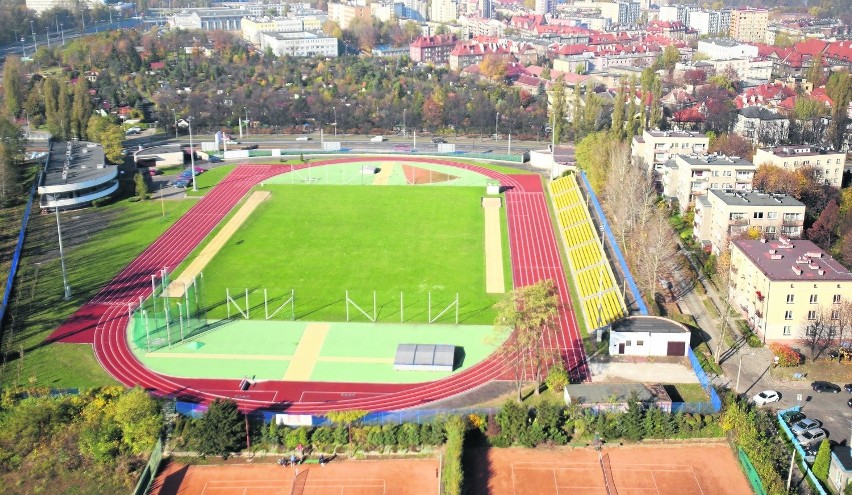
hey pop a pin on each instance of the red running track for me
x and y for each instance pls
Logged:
(103, 321)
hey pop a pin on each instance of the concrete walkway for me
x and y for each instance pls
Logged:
(642, 373)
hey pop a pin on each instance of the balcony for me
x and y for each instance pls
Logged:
(738, 221)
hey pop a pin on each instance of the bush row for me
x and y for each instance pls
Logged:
(452, 474)
(517, 424)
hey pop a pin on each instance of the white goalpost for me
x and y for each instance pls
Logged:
(291, 302)
(353, 303)
(453, 304)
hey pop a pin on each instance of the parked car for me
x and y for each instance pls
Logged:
(792, 416)
(823, 386)
(766, 397)
(303, 138)
(804, 425)
(438, 140)
(154, 171)
(231, 142)
(812, 437)
(214, 159)
(849, 402)
(377, 139)
(249, 147)
(848, 387)
(134, 130)
(182, 183)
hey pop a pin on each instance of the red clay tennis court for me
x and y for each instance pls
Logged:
(658, 470)
(385, 477)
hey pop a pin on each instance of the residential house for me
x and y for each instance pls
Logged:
(724, 214)
(782, 286)
(762, 126)
(687, 177)
(433, 49)
(656, 147)
(830, 165)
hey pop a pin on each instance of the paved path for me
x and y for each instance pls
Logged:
(642, 372)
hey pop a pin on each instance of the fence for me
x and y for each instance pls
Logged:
(628, 277)
(800, 451)
(16, 256)
(704, 380)
(149, 473)
(458, 154)
(750, 472)
(161, 321)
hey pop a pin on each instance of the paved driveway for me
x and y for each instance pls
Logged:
(642, 372)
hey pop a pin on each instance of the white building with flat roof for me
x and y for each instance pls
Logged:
(657, 147)
(725, 49)
(302, 44)
(829, 164)
(687, 177)
(724, 215)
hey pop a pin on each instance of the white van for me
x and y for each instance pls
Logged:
(377, 139)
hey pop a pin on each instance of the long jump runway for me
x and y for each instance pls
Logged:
(103, 321)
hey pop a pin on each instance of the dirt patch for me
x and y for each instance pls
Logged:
(417, 175)
(675, 469)
(397, 476)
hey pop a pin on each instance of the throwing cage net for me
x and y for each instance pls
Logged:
(162, 320)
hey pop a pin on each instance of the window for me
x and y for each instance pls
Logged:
(770, 229)
(640, 342)
(788, 315)
(813, 298)
(728, 173)
(790, 298)
(836, 299)
(835, 314)
(812, 315)
(628, 343)
(772, 215)
(787, 330)
(757, 214)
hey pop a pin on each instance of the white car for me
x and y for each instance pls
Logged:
(303, 138)
(377, 139)
(804, 425)
(812, 437)
(766, 397)
(134, 130)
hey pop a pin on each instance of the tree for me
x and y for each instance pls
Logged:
(525, 323)
(81, 109)
(694, 77)
(141, 189)
(50, 90)
(557, 111)
(138, 415)
(221, 430)
(815, 71)
(822, 461)
(732, 145)
(557, 378)
(839, 89)
(13, 85)
(493, 67)
(594, 156)
(816, 333)
(669, 58)
(109, 134)
(822, 231)
(618, 113)
(346, 418)
(656, 249)
(11, 158)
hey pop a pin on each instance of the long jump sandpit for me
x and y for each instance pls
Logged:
(677, 469)
(346, 477)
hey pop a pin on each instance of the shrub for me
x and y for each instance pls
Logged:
(452, 473)
(557, 378)
(822, 461)
(787, 356)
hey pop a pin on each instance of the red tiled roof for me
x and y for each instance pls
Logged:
(158, 65)
(432, 41)
(810, 47)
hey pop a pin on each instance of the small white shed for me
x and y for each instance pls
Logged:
(648, 336)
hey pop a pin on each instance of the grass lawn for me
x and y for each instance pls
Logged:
(98, 242)
(324, 240)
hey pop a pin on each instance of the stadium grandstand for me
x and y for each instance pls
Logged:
(600, 298)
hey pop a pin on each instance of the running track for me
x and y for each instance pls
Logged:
(103, 321)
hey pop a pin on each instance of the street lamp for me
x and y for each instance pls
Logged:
(496, 122)
(65, 285)
(47, 30)
(23, 50)
(335, 120)
(737, 388)
(404, 134)
(176, 126)
(247, 120)
(35, 43)
(62, 32)
(192, 155)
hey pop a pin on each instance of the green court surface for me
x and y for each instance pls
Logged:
(323, 240)
(362, 173)
(350, 352)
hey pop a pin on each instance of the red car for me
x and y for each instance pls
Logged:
(154, 171)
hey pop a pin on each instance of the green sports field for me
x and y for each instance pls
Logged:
(321, 240)
(351, 352)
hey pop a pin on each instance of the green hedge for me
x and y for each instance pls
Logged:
(452, 474)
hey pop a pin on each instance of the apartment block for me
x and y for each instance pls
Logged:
(545, 6)
(725, 49)
(725, 215)
(303, 44)
(433, 49)
(749, 25)
(780, 286)
(829, 164)
(688, 177)
(657, 147)
(252, 27)
(444, 11)
(343, 14)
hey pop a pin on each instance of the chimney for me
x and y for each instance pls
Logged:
(797, 270)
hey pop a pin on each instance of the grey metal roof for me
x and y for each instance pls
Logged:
(760, 113)
(754, 198)
(86, 162)
(650, 324)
